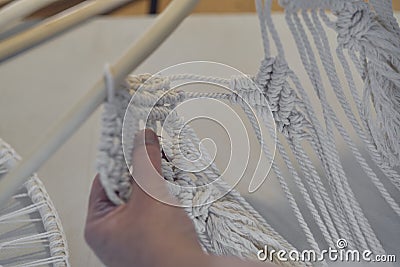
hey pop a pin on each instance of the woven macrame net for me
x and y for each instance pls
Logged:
(31, 233)
(368, 38)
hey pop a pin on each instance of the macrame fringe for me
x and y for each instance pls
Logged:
(39, 202)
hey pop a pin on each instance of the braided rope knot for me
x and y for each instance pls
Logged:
(281, 98)
(354, 21)
(369, 41)
(152, 96)
(191, 178)
(202, 201)
(148, 82)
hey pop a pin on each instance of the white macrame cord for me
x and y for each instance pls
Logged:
(31, 233)
(368, 37)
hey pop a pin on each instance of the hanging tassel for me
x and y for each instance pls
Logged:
(375, 52)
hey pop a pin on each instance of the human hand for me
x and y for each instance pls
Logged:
(145, 232)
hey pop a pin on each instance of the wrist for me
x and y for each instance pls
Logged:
(183, 257)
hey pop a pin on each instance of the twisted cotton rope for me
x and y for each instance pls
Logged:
(380, 159)
(343, 194)
(41, 203)
(245, 231)
(370, 39)
(352, 38)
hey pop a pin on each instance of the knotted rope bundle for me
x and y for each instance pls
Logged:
(245, 227)
(31, 233)
(368, 34)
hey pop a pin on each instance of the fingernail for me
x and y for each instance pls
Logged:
(146, 137)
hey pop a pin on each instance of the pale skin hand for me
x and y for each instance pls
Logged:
(145, 232)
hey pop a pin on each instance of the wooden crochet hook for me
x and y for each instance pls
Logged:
(17, 10)
(164, 25)
(54, 25)
(3, 2)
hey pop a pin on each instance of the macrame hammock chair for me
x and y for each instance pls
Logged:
(31, 233)
(368, 36)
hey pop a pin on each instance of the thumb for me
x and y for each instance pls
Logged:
(99, 204)
(146, 169)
